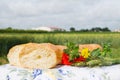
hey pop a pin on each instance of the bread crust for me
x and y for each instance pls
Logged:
(90, 47)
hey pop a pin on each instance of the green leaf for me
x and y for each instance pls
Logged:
(106, 52)
(96, 53)
(72, 50)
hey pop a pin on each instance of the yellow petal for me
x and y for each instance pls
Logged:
(85, 53)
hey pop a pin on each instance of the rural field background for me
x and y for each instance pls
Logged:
(7, 40)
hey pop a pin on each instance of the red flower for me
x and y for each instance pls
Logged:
(65, 59)
(81, 58)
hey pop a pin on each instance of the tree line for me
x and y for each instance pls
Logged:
(72, 29)
(94, 29)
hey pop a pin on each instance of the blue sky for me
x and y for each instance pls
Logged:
(81, 14)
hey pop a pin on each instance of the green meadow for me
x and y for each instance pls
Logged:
(8, 40)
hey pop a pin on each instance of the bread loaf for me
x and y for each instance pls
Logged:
(33, 55)
(90, 47)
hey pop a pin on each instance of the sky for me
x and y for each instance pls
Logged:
(80, 14)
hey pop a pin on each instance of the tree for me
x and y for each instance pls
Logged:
(96, 29)
(84, 30)
(72, 29)
(9, 28)
(105, 29)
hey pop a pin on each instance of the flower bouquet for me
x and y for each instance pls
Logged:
(96, 57)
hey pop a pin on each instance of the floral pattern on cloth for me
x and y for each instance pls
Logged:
(64, 72)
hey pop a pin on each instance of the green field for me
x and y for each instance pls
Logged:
(7, 40)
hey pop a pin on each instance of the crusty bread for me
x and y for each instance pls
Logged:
(90, 47)
(33, 55)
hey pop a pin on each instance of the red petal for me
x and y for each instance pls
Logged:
(65, 59)
(81, 58)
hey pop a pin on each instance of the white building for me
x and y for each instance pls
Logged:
(43, 28)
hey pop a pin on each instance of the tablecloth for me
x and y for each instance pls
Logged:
(61, 72)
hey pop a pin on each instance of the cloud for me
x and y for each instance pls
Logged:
(63, 13)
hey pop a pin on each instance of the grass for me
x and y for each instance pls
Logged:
(7, 40)
(3, 60)
(116, 53)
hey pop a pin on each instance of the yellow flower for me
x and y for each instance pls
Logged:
(85, 53)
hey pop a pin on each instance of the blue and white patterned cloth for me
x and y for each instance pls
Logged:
(8, 72)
